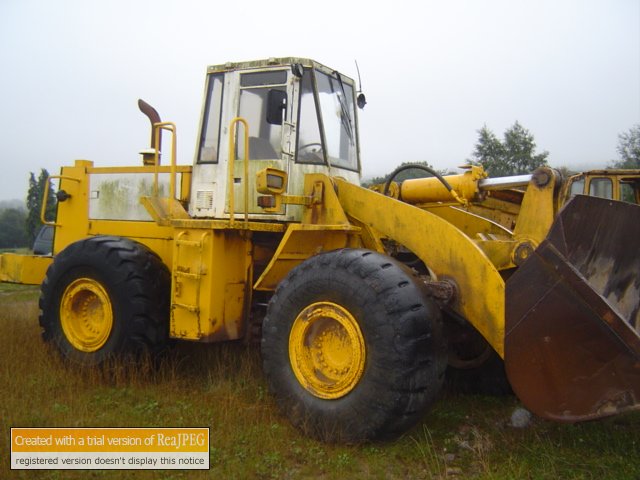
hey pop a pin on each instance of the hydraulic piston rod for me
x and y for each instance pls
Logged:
(467, 185)
(501, 183)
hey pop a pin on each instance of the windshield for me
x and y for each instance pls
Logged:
(336, 104)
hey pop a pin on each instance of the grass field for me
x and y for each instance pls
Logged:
(221, 387)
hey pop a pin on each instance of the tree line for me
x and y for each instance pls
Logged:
(516, 153)
(19, 225)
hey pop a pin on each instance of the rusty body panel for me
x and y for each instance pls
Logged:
(572, 344)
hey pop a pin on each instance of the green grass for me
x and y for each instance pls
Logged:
(221, 387)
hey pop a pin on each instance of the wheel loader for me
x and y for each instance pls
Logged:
(359, 297)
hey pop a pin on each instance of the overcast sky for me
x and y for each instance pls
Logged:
(434, 72)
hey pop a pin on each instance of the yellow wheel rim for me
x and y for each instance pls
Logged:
(86, 315)
(326, 350)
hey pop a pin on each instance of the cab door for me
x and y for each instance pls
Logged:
(264, 99)
(265, 102)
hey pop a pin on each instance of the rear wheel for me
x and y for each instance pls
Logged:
(105, 296)
(352, 347)
(86, 314)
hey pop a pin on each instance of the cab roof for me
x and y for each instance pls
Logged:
(274, 62)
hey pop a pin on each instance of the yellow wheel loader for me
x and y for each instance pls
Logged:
(360, 297)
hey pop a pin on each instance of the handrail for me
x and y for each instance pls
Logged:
(45, 198)
(232, 160)
(171, 127)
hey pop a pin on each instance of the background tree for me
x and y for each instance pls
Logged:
(489, 151)
(12, 231)
(515, 155)
(629, 148)
(34, 203)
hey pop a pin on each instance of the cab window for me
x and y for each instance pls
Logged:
(265, 137)
(577, 187)
(629, 191)
(210, 134)
(309, 140)
(336, 106)
(601, 187)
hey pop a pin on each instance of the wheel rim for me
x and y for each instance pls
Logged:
(327, 350)
(86, 315)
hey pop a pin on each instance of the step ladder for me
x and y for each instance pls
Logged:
(188, 271)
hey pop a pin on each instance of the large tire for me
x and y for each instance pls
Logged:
(104, 297)
(352, 347)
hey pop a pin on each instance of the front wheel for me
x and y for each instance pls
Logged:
(474, 366)
(103, 297)
(352, 347)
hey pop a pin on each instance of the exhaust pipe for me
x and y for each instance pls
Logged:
(149, 155)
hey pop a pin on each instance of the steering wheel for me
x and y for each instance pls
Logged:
(308, 146)
(311, 152)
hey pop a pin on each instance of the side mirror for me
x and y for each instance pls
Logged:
(276, 106)
(361, 101)
(297, 69)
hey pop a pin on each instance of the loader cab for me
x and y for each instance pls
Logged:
(301, 118)
(613, 184)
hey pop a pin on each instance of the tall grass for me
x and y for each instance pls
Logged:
(221, 387)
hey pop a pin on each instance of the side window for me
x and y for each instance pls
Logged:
(47, 234)
(265, 138)
(309, 141)
(210, 135)
(577, 187)
(601, 187)
(629, 192)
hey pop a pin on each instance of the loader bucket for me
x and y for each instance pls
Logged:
(572, 344)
